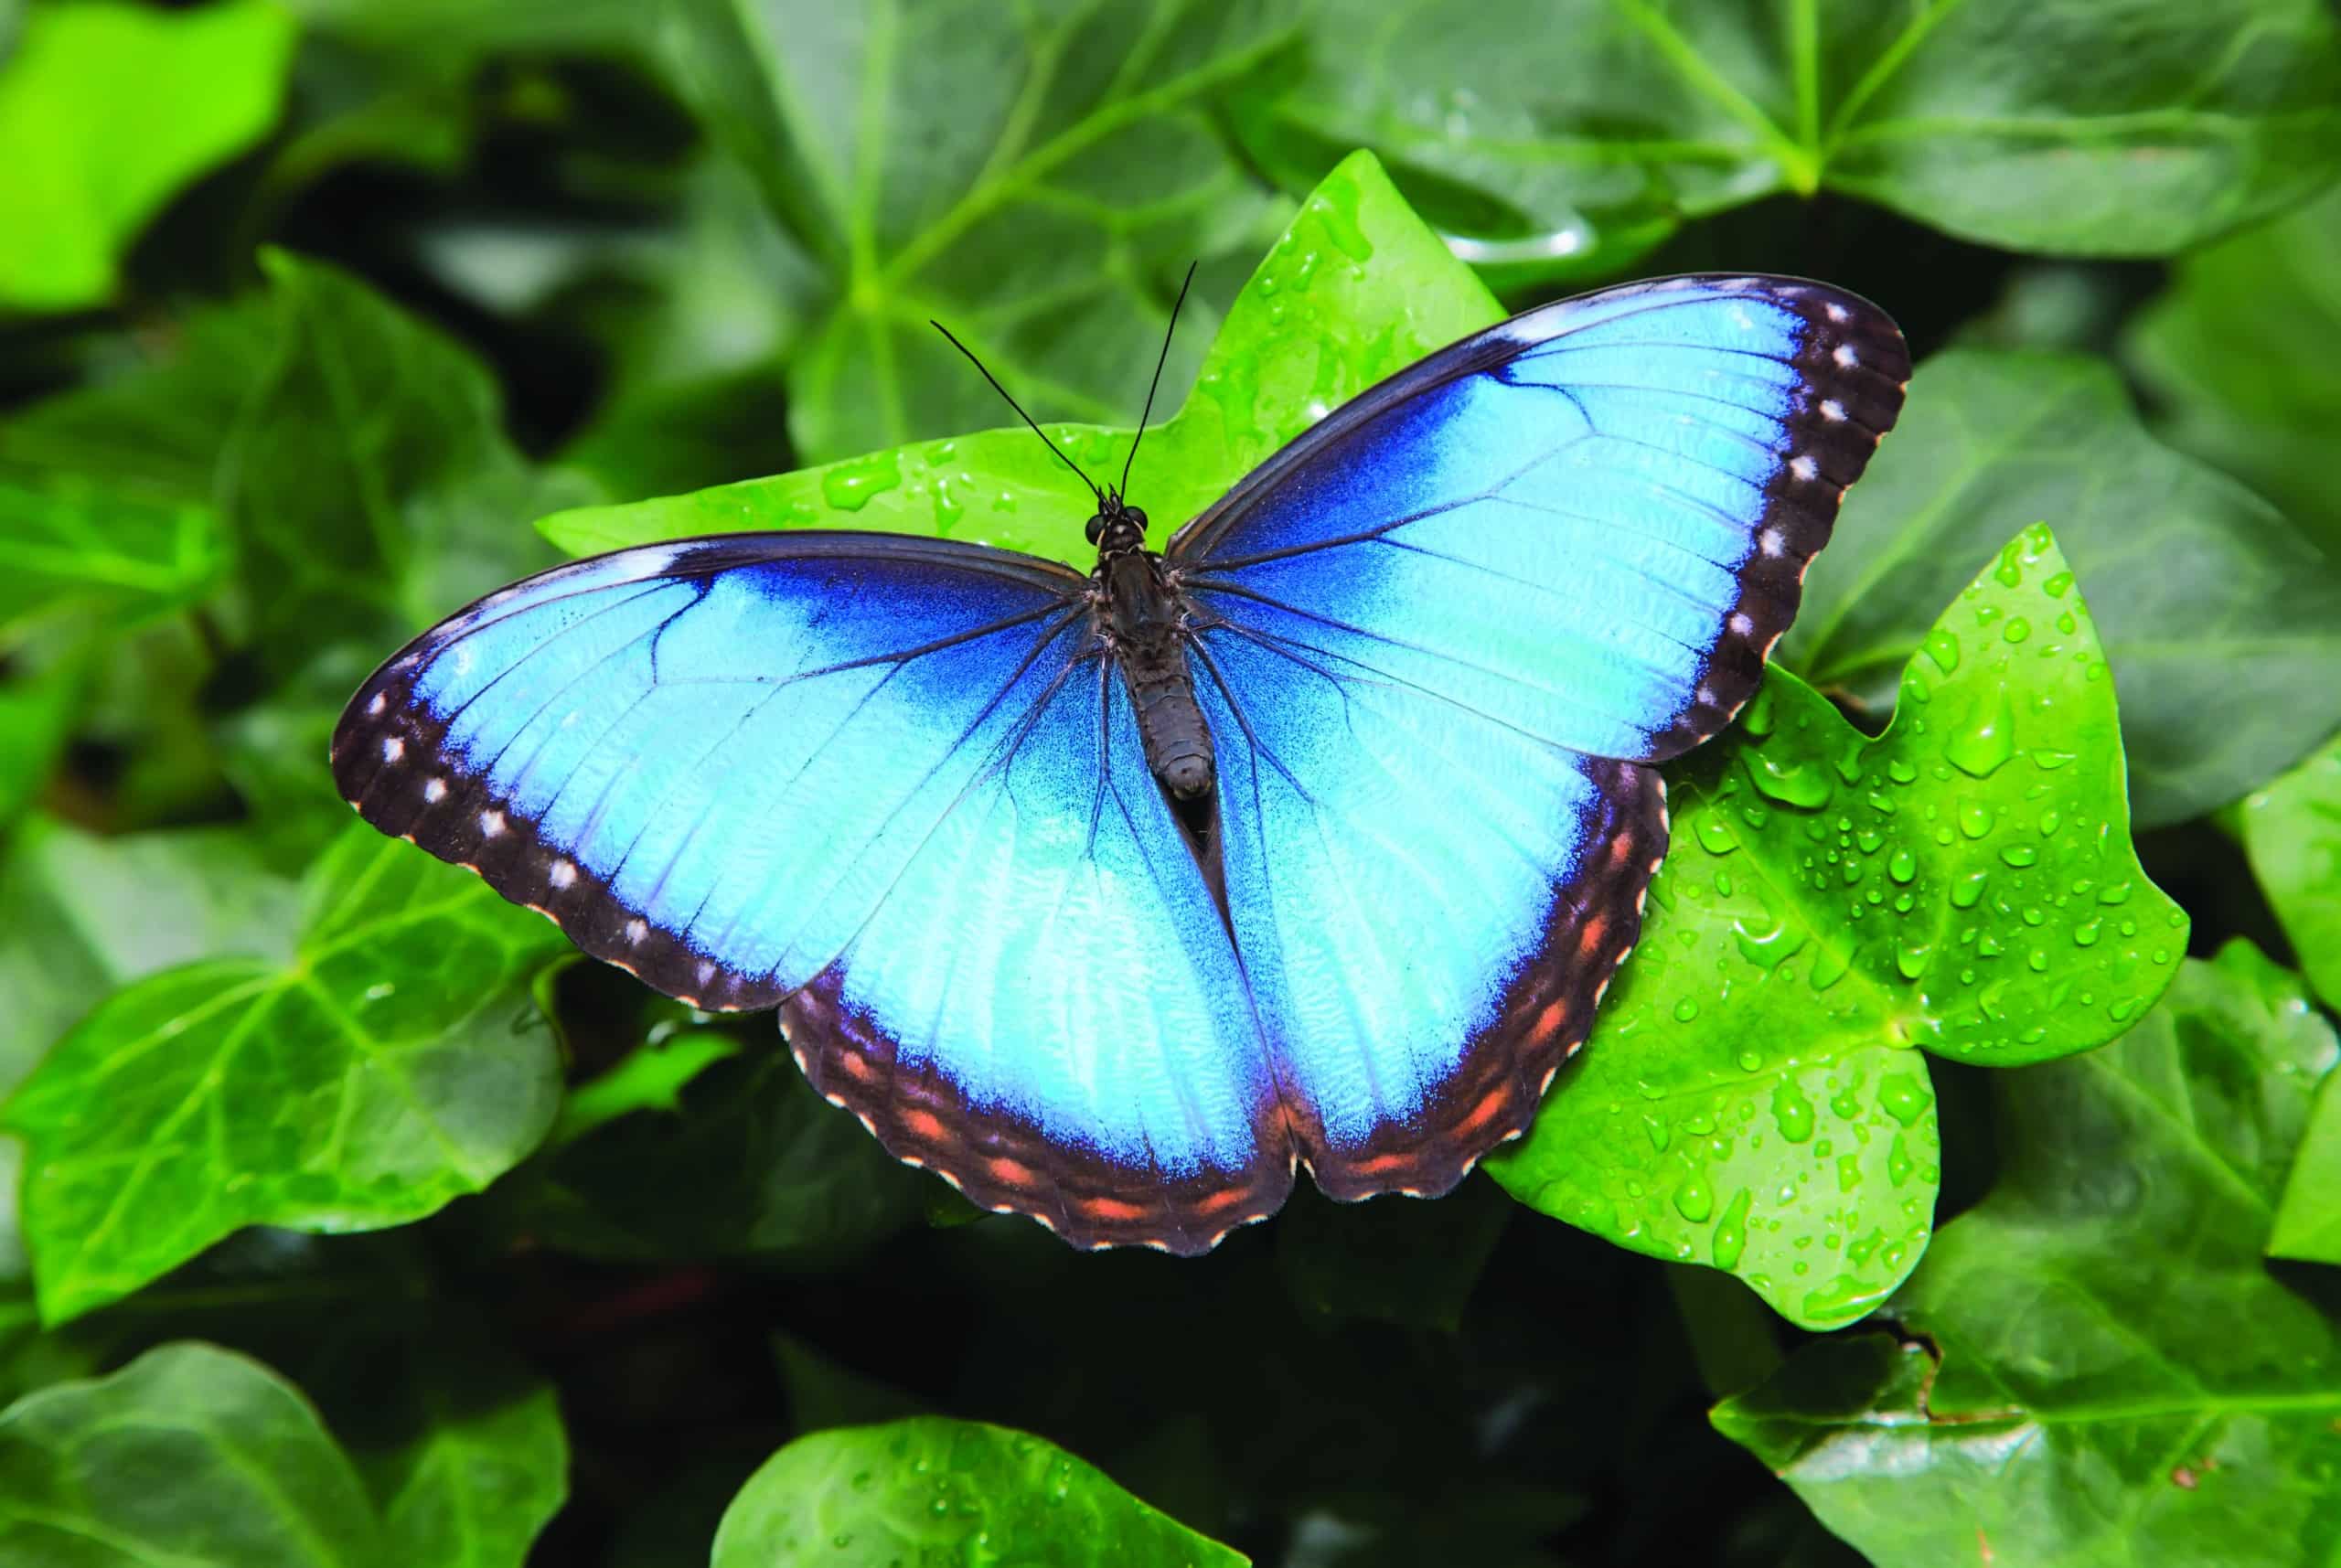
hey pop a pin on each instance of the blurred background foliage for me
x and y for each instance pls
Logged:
(309, 308)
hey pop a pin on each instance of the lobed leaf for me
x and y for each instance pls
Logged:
(1556, 139)
(393, 1063)
(924, 1492)
(1355, 290)
(107, 109)
(1753, 1097)
(1038, 178)
(2097, 1367)
(2201, 587)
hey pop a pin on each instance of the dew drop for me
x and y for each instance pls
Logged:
(1903, 1097)
(2016, 629)
(1980, 749)
(1714, 834)
(1693, 1201)
(2019, 854)
(1685, 1010)
(848, 485)
(1731, 1232)
(1942, 647)
(1903, 866)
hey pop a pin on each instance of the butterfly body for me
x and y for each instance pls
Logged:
(1116, 896)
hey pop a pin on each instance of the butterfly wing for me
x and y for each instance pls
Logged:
(886, 784)
(1442, 634)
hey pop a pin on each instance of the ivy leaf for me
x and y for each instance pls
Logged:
(2202, 589)
(370, 482)
(2308, 1220)
(932, 1490)
(1355, 290)
(2102, 1371)
(2242, 354)
(394, 1063)
(1558, 138)
(1752, 1098)
(80, 549)
(87, 914)
(193, 1454)
(106, 109)
(2291, 832)
(189, 1455)
(1036, 178)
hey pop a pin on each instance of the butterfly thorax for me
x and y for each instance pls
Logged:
(1142, 623)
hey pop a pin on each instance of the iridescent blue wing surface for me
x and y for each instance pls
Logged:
(1439, 639)
(893, 786)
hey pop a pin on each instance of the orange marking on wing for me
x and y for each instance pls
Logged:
(1486, 1110)
(1621, 847)
(1590, 937)
(1382, 1162)
(1548, 1022)
(1222, 1200)
(1011, 1171)
(856, 1066)
(1109, 1209)
(925, 1124)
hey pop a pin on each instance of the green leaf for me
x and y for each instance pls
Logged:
(486, 1463)
(2291, 831)
(1356, 289)
(750, 1163)
(1563, 137)
(2242, 354)
(2201, 589)
(108, 109)
(370, 482)
(2308, 1220)
(83, 549)
(929, 1491)
(1037, 178)
(189, 1456)
(1752, 1098)
(394, 1063)
(87, 914)
(2103, 1371)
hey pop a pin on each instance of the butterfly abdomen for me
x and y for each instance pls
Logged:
(1143, 628)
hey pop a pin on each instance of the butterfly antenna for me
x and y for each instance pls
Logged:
(1021, 414)
(1158, 363)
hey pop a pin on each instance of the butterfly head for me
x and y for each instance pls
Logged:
(1119, 528)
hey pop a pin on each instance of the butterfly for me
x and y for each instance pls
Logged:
(1116, 896)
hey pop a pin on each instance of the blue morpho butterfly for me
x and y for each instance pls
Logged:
(1114, 896)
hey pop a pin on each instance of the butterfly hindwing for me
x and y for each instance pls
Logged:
(1443, 634)
(881, 780)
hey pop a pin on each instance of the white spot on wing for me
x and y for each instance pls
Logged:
(1742, 624)
(1844, 356)
(1802, 465)
(435, 790)
(393, 749)
(1771, 542)
(563, 873)
(491, 823)
(1833, 410)
(381, 700)
(1839, 313)
(635, 930)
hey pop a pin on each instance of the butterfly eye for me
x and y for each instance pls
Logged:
(1136, 518)
(1096, 526)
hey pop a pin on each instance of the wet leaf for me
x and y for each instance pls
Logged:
(1356, 289)
(106, 109)
(1753, 1097)
(1556, 138)
(394, 1063)
(2101, 1368)
(2201, 589)
(931, 1492)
